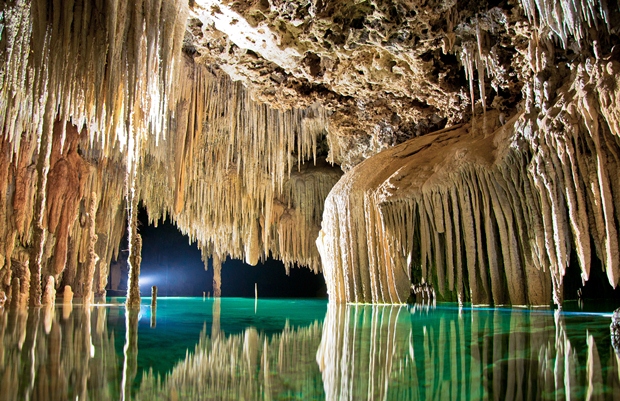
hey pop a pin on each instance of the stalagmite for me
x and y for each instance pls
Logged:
(215, 312)
(67, 295)
(93, 258)
(49, 292)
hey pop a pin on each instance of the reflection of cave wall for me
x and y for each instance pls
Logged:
(358, 351)
(242, 366)
(48, 353)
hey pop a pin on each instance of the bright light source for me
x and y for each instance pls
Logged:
(148, 280)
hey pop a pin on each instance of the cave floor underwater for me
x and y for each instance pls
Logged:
(306, 349)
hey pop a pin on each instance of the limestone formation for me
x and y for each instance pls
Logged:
(615, 330)
(217, 277)
(479, 139)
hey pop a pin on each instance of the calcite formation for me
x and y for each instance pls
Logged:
(479, 141)
(614, 328)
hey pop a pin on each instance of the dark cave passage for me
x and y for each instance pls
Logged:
(174, 265)
(596, 288)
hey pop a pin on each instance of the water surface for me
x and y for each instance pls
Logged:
(234, 349)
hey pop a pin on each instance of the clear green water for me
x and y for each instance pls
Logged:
(236, 349)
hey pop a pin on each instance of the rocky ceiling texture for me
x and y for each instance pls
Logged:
(472, 146)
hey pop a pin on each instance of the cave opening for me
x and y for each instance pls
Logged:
(596, 288)
(175, 266)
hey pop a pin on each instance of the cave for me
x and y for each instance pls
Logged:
(175, 266)
(386, 158)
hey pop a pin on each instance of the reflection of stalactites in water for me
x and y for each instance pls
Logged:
(48, 358)
(130, 365)
(595, 380)
(447, 354)
(350, 368)
(215, 326)
(249, 365)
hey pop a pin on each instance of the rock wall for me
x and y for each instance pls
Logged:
(236, 119)
(130, 120)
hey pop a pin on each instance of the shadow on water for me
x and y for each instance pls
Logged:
(230, 349)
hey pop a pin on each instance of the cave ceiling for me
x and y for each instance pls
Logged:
(469, 144)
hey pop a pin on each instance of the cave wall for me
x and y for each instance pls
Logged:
(104, 112)
(82, 84)
(74, 181)
(479, 140)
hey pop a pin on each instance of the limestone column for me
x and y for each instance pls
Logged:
(217, 276)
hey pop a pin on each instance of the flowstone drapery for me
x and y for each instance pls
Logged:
(485, 213)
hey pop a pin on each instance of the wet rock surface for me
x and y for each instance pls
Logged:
(615, 330)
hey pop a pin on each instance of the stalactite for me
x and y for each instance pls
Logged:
(568, 19)
(260, 204)
(68, 176)
(39, 231)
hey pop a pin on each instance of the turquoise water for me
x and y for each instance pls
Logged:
(234, 349)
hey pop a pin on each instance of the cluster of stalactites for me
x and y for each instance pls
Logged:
(575, 158)
(462, 225)
(110, 68)
(234, 184)
(110, 71)
(568, 19)
(487, 216)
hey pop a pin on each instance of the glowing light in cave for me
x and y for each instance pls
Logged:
(146, 281)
